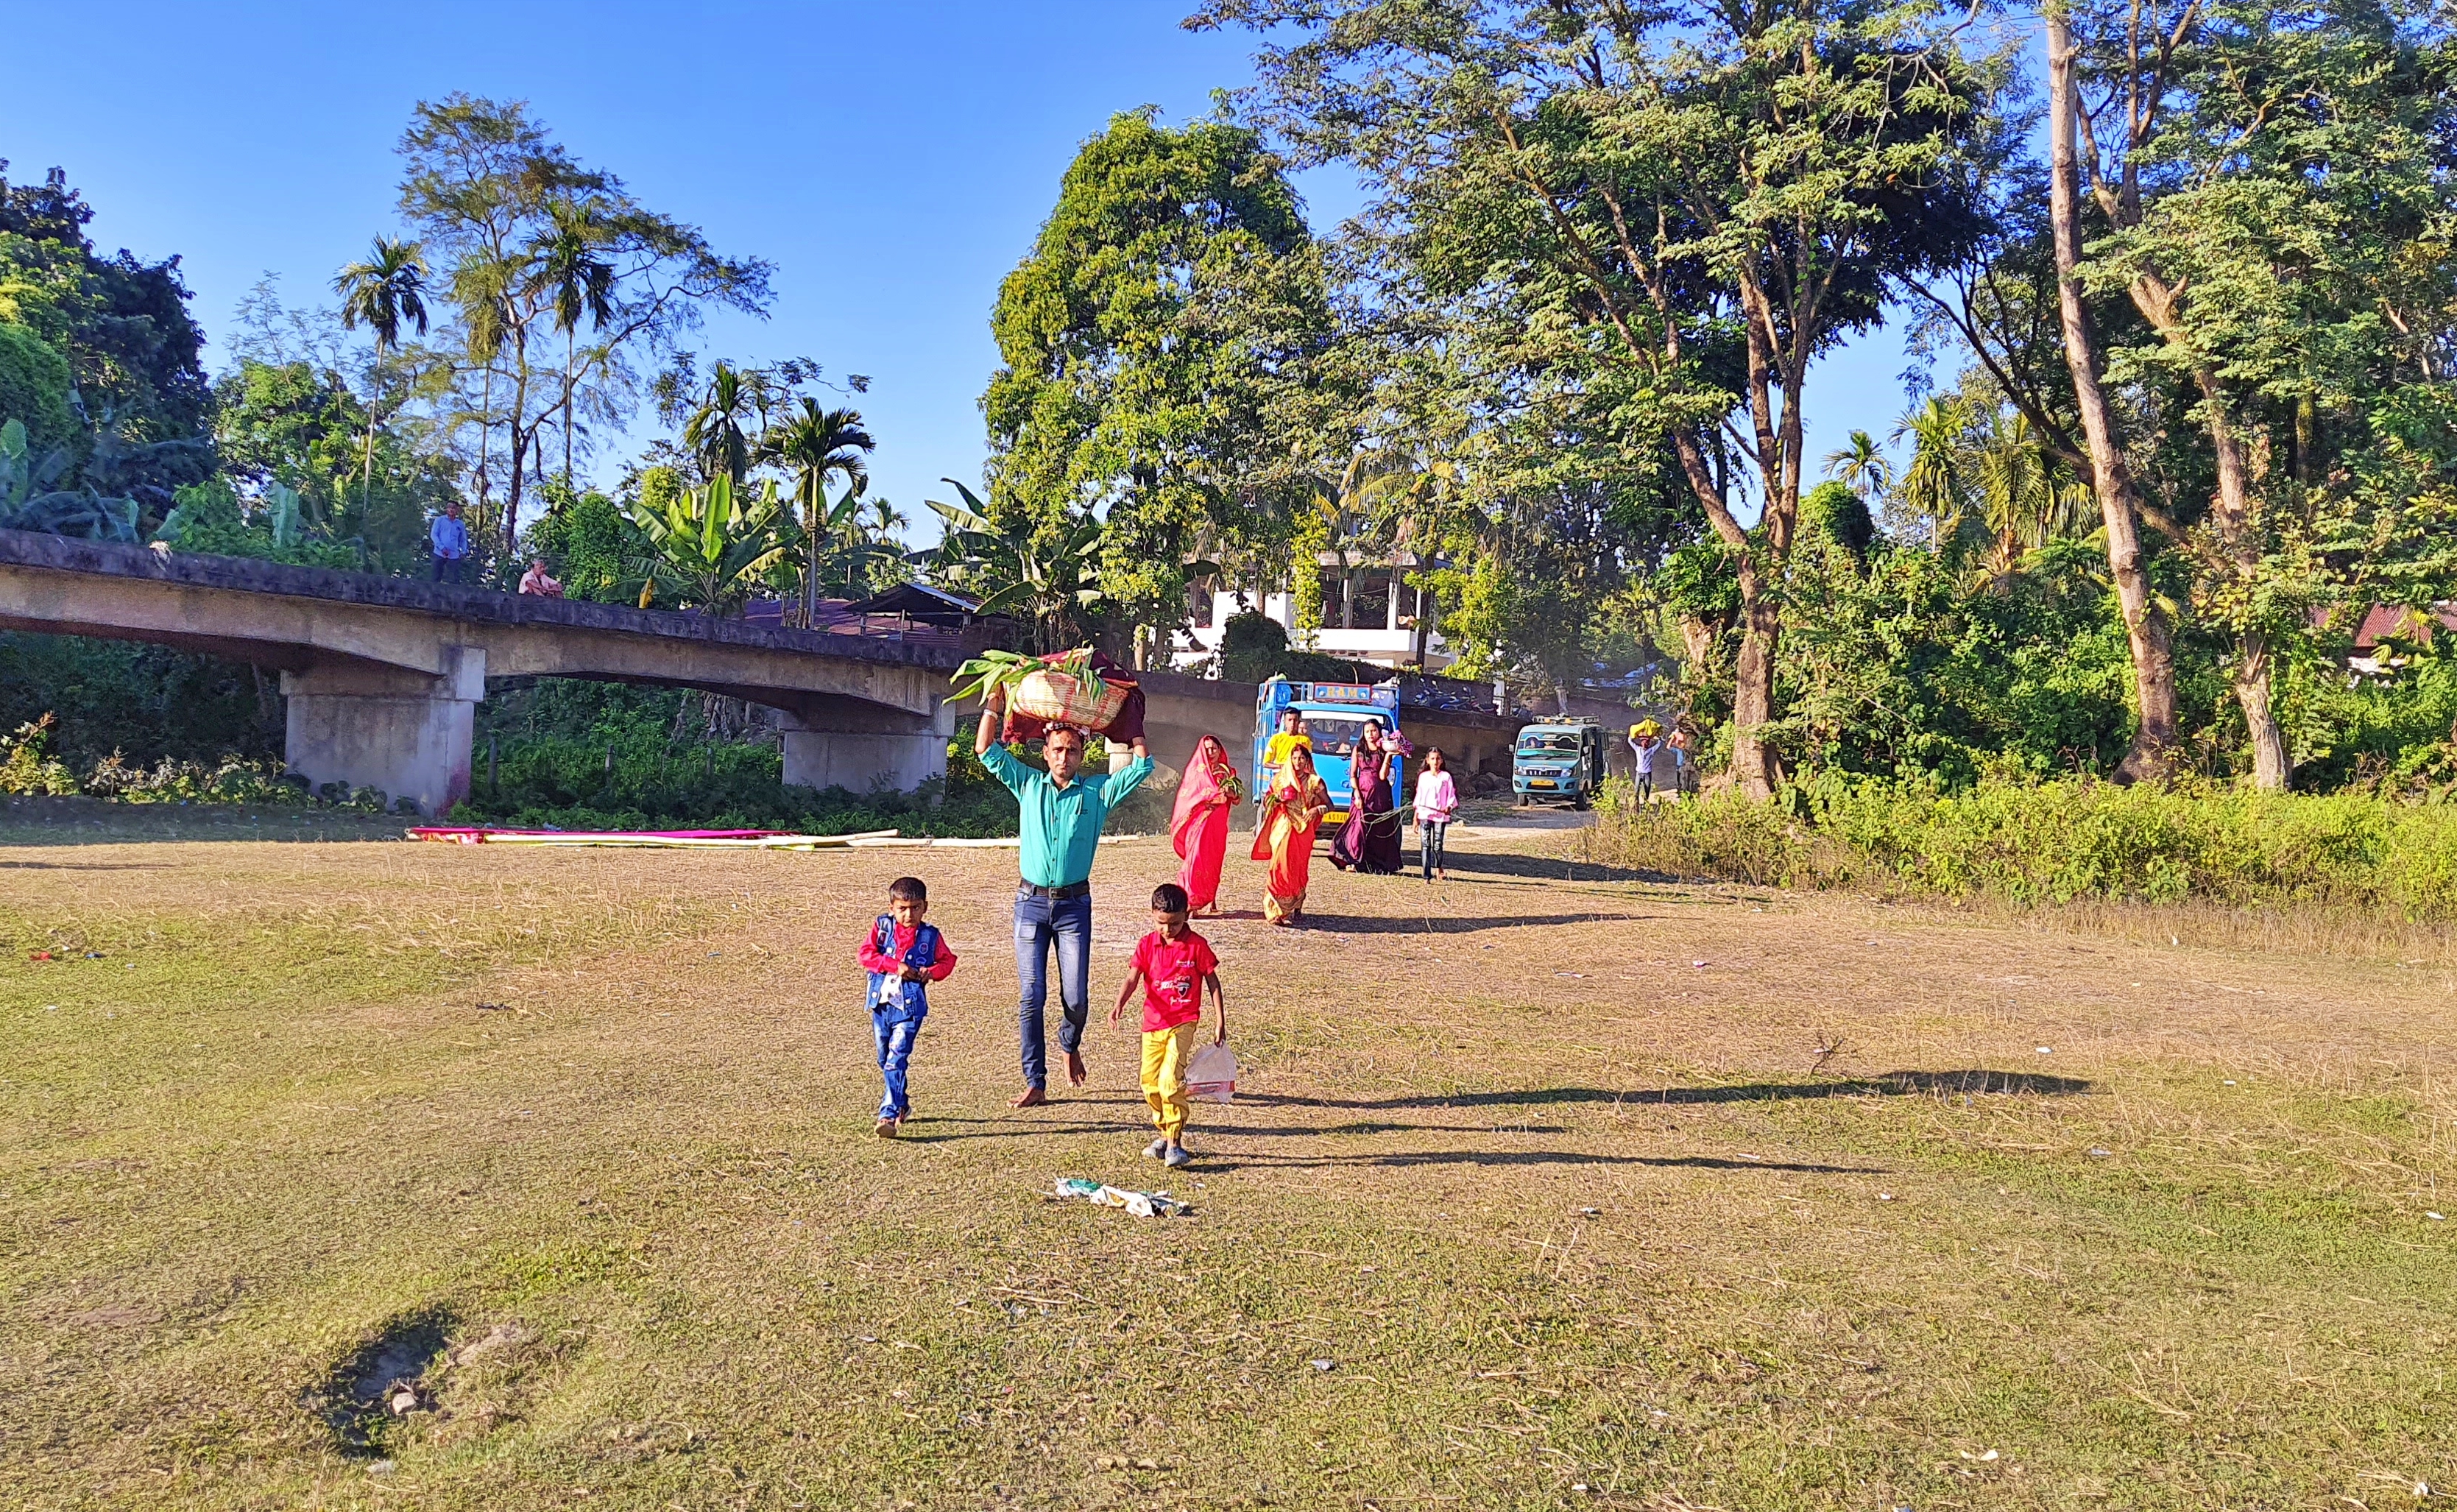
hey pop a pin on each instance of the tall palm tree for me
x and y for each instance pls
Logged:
(1934, 486)
(885, 519)
(564, 264)
(717, 432)
(387, 289)
(2027, 503)
(1858, 466)
(482, 287)
(812, 445)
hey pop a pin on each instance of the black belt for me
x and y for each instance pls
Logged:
(1070, 890)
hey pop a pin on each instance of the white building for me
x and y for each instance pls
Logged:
(1370, 614)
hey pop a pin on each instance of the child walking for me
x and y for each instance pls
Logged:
(1174, 966)
(903, 955)
(1436, 805)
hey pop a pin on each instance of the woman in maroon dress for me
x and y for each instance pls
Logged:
(1370, 844)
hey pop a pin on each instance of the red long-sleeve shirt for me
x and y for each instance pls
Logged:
(872, 959)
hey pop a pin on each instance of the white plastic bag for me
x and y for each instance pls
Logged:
(1212, 1075)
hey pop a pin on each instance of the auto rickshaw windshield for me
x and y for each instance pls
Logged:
(1336, 735)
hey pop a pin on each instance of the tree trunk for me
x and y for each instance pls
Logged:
(1755, 764)
(2273, 767)
(520, 443)
(568, 386)
(485, 435)
(2119, 501)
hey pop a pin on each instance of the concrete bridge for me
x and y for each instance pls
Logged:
(383, 674)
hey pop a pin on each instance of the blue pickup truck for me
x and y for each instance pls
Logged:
(1335, 715)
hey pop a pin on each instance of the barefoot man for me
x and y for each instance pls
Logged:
(1062, 816)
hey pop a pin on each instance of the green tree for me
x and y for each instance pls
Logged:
(811, 445)
(521, 224)
(1150, 346)
(588, 539)
(705, 547)
(1013, 567)
(35, 388)
(566, 262)
(1861, 466)
(1935, 486)
(1677, 210)
(383, 291)
(134, 352)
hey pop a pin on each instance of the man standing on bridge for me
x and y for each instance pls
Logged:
(450, 540)
(1062, 813)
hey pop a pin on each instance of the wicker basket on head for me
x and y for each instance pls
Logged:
(1056, 697)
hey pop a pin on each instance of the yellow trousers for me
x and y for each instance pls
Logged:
(1166, 1053)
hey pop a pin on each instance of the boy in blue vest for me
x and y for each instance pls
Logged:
(903, 955)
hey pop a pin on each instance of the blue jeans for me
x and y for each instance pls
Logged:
(895, 1029)
(451, 570)
(1040, 922)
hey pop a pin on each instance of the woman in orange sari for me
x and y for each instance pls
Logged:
(1199, 826)
(1293, 813)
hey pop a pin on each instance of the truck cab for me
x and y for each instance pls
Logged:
(1333, 716)
(1558, 763)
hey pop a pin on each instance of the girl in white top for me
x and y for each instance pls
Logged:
(1437, 803)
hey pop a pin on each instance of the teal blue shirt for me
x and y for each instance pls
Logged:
(1061, 825)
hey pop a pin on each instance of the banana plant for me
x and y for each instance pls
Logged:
(54, 511)
(1012, 570)
(706, 549)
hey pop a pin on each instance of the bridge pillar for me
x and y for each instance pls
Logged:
(403, 731)
(861, 747)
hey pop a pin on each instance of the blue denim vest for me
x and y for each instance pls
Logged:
(906, 1000)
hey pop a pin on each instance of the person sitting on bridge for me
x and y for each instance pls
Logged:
(538, 582)
(449, 540)
(1061, 815)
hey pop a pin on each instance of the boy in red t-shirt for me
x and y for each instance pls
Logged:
(1174, 967)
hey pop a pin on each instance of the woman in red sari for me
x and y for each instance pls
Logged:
(1298, 800)
(1199, 826)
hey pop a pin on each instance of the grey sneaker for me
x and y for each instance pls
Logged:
(1174, 1156)
(1157, 1148)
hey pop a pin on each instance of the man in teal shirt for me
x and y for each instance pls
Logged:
(1062, 813)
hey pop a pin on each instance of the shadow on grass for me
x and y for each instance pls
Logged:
(84, 867)
(1546, 868)
(1889, 1083)
(1525, 1158)
(351, 1397)
(1027, 1128)
(46, 820)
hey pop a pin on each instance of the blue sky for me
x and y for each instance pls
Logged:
(894, 160)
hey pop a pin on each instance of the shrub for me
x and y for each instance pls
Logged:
(34, 386)
(2057, 842)
(26, 768)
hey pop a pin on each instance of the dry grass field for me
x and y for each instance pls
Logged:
(1550, 1187)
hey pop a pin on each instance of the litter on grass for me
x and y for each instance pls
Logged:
(1142, 1204)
